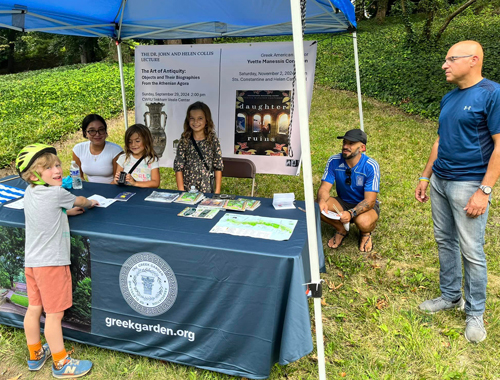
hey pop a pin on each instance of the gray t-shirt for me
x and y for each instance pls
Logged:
(47, 228)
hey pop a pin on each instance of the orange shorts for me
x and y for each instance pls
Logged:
(49, 287)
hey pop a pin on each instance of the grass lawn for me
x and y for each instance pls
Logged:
(372, 328)
(20, 300)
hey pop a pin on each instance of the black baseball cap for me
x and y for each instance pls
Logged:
(354, 135)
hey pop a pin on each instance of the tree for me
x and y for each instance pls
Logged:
(83, 49)
(9, 38)
(448, 9)
(80, 259)
(12, 251)
(382, 6)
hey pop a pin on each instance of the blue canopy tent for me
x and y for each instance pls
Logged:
(167, 19)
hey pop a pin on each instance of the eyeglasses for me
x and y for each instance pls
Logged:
(453, 58)
(93, 132)
(348, 178)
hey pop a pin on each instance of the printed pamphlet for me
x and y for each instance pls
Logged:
(125, 196)
(211, 203)
(334, 216)
(255, 226)
(252, 204)
(331, 215)
(189, 198)
(160, 196)
(103, 202)
(235, 205)
(202, 213)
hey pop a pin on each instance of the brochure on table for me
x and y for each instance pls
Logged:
(255, 226)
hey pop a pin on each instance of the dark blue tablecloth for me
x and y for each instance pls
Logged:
(240, 304)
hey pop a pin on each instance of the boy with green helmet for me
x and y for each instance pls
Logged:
(47, 257)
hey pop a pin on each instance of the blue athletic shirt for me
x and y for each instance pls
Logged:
(365, 176)
(468, 119)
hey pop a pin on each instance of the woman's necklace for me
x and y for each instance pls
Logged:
(95, 156)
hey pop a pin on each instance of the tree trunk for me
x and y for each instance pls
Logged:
(381, 11)
(11, 61)
(406, 21)
(204, 40)
(173, 42)
(426, 32)
(452, 16)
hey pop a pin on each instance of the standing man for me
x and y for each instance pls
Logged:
(357, 179)
(464, 164)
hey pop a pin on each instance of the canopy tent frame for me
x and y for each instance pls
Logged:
(341, 23)
(300, 66)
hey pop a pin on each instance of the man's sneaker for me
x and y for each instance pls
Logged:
(43, 355)
(438, 304)
(474, 330)
(71, 368)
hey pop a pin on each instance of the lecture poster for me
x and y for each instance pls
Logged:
(248, 88)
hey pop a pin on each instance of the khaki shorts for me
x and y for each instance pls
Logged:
(49, 287)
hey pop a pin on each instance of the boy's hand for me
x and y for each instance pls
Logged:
(75, 211)
(93, 203)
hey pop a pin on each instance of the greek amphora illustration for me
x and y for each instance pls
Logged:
(155, 126)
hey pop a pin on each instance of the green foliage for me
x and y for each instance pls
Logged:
(20, 300)
(4, 280)
(20, 277)
(407, 76)
(372, 327)
(12, 251)
(82, 299)
(42, 106)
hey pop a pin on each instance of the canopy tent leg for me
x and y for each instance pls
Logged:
(298, 48)
(358, 81)
(122, 82)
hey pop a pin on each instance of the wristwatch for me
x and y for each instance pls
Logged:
(353, 213)
(486, 189)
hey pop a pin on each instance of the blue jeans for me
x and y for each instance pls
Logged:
(454, 233)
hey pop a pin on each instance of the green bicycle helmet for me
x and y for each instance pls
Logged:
(29, 154)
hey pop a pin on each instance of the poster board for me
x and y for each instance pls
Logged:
(247, 88)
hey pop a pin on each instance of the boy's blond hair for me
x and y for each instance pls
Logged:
(43, 162)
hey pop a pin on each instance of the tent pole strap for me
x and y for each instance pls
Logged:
(303, 116)
(122, 82)
(358, 81)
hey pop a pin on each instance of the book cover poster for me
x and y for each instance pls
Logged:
(262, 123)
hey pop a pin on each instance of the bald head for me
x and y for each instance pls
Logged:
(464, 63)
(469, 47)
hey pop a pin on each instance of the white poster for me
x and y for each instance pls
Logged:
(247, 87)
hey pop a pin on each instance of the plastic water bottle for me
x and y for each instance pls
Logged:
(74, 171)
(193, 189)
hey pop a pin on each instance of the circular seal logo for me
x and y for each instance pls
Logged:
(148, 284)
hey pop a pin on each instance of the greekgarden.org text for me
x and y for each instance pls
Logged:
(139, 327)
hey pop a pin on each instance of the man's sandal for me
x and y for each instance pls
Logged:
(361, 235)
(335, 240)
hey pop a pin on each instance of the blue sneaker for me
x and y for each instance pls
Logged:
(71, 368)
(43, 355)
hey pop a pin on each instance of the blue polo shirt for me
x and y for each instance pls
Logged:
(468, 119)
(365, 176)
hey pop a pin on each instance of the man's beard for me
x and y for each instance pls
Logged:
(351, 155)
